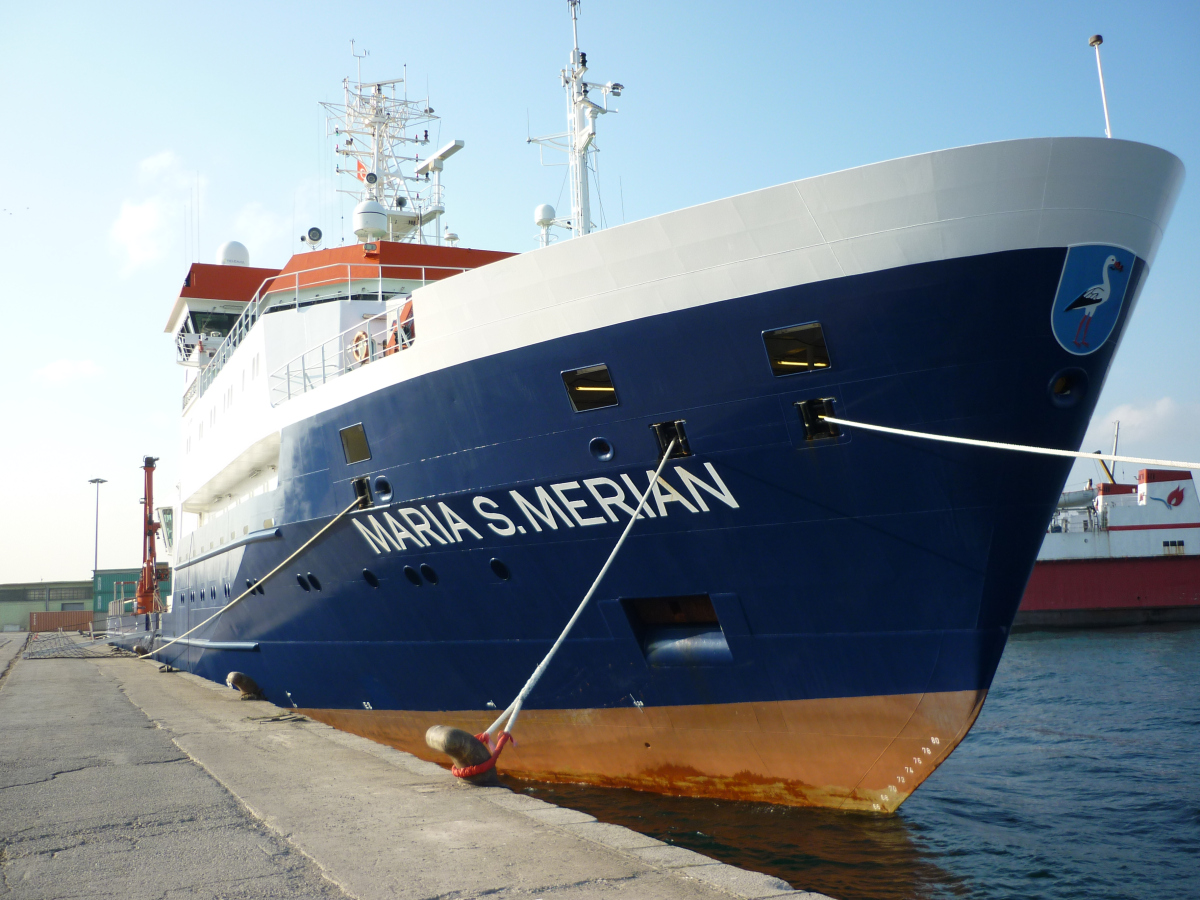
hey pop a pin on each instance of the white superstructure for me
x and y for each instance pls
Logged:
(1159, 516)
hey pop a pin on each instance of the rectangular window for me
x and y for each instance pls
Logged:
(354, 444)
(590, 388)
(796, 349)
(71, 593)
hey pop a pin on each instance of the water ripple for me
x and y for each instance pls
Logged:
(1081, 779)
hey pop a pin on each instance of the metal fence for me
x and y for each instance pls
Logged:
(360, 345)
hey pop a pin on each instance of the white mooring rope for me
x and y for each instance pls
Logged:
(514, 709)
(228, 606)
(1022, 448)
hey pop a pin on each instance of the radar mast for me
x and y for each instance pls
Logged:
(579, 140)
(378, 137)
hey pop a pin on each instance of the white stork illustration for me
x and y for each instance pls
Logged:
(1090, 299)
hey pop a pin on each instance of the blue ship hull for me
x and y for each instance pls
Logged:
(860, 567)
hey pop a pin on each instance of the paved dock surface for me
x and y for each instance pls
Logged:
(118, 780)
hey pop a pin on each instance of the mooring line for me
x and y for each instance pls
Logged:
(1022, 448)
(357, 502)
(514, 709)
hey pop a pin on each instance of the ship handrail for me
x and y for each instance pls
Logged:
(266, 297)
(335, 357)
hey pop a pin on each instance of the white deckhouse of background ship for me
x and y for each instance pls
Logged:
(404, 462)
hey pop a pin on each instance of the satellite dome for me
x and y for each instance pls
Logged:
(543, 215)
(370, 220)
(233, 253)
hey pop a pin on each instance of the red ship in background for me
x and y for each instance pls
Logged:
(1119, 554)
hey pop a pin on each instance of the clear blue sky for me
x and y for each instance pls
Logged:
(113, 112)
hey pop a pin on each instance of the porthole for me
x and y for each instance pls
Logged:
(428, 573)
(500, 569)
(228, 590)
(193, 596)
(312, 579)
(249, 583)
(383, 490)
(303, 582)
(370, 578)
(411, 574)
(601, 449)
(1068, 387)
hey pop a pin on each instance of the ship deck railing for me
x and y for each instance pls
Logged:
(273, 295)
(335, 356)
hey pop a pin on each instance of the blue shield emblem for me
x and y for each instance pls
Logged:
(1090, 293)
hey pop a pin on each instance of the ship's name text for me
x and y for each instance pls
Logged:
(568, 504)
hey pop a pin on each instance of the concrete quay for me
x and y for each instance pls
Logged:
(118, 780)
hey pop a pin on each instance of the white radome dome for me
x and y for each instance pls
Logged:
(233, 253)
(370, 220)
(543, 215)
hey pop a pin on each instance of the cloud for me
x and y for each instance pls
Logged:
(148, 226)
(63, 370)
(263, 232)
(1163, 422)
(1157, 429)
(138, 231)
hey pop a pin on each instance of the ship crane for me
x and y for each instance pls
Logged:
(147, 589)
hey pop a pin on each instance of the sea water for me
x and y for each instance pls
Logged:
(1080, 779)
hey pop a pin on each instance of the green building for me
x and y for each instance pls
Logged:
(113, 584)
(17, 601)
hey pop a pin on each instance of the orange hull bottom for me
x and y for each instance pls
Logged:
(867, 753)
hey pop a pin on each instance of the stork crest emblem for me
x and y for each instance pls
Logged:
(1091, 291)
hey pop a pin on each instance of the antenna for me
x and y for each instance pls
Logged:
(378, 140)
(1095, 41)
(578, 141)
(360, 57)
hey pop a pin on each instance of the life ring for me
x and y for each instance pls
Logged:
(407, 325)
(360, 347)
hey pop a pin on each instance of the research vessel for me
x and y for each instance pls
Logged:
(804, 613)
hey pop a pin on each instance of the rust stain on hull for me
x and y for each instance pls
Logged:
(867, 753)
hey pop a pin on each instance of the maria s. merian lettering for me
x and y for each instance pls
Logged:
(567, 504)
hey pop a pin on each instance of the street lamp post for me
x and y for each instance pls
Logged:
(96, 558)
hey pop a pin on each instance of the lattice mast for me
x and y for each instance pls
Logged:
(378, 134)
(579, 140)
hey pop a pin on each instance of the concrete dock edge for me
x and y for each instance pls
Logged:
(379, 823)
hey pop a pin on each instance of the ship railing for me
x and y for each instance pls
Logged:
(360, 345)
(283, 292)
